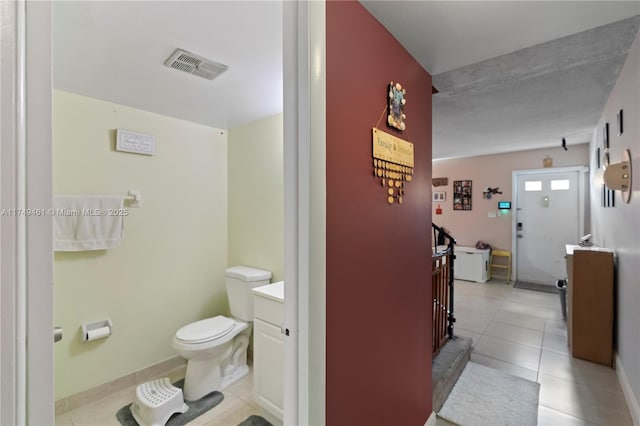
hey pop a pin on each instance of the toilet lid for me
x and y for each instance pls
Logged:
(205, 330)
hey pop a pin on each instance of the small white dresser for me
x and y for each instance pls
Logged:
(471, 264)
(268, 347)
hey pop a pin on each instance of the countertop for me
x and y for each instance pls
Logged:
(273, 291)
(570, 248)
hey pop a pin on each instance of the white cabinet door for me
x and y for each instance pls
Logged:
(268, 367)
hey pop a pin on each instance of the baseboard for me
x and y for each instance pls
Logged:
(629, 396)
(144, 375)
(431, 421)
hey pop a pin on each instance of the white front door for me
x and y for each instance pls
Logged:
(547, 216)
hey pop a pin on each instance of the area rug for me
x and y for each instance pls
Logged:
(196, 408)
(487, 397)
(547, 288)
(255, 421)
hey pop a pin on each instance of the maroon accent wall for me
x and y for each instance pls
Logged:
(378, 255)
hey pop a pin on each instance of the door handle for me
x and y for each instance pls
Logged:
(57, 334)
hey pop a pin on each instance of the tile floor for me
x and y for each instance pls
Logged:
(237, 406)
(522, 333)
(517, 331)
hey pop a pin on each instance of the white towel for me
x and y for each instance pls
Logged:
(83, 223)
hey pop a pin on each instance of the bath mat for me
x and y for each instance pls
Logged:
(484, 396)
(255, 421)
(547, 288)
(196, 408)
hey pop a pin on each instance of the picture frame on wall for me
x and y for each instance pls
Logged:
(439, 196)
(462, 194)
(620, 120)
(605, 136)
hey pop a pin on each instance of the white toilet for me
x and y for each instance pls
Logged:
(216, 348)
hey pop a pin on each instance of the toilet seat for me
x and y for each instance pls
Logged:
(205, 330)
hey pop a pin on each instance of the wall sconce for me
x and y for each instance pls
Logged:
(618, 176)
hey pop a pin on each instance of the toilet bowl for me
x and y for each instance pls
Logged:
(216, 354)
(216, 348)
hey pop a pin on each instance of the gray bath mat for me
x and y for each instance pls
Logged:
(255, 421)
(196, 408)
(484, 396)
(547, 288)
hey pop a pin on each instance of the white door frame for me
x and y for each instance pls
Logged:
(582, 173)
(304, 180)
(26, 393)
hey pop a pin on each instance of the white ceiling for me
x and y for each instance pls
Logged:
(115, 51)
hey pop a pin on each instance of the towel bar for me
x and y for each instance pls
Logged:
(134, 197)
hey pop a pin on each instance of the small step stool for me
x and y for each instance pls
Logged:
(156, 401)
(503, 264)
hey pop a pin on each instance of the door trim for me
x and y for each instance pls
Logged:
(515, 174)
(12, 336)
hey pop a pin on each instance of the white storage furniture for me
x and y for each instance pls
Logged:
(471, 264)
(268, 347)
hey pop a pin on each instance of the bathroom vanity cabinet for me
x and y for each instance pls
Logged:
(268, 348)
(471, 264)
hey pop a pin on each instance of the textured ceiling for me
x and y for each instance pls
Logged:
(527, 85)
(513, 75)
(530, 98)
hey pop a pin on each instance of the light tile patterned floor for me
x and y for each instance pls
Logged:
(517, 331)
(237, 405)
(522, 333)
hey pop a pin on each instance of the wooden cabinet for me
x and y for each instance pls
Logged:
(268, 348)
(471, 264)
(590, 303)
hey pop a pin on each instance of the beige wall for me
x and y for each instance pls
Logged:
(468, 227)
(169, 270)
(618, 228)
(256, 196)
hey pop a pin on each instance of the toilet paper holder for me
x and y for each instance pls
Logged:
(96, 330)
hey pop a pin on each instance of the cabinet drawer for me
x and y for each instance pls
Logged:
(268, 310)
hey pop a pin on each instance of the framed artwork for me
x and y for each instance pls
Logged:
(620, 123)
(397, 100)
(605, 136)
(439, 196)
(462, 191)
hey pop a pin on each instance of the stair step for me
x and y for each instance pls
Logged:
(447, 367)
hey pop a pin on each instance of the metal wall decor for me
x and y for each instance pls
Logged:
(392, 164)
(396, 103)
(462, 195)
(442, 181)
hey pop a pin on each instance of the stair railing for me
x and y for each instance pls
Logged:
(442, 288)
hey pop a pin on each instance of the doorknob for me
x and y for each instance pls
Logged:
(57, 334)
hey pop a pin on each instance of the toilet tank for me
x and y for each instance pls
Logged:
(239, 281)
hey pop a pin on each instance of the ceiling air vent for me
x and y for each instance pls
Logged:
(194, 64)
